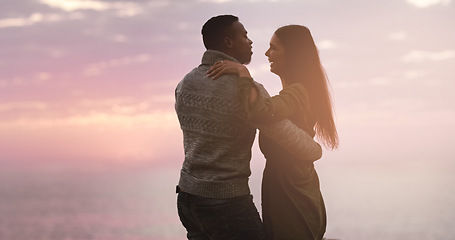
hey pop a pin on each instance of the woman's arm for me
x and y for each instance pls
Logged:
(262, 110)
(258, 104)
(228, 67)
(290, 100)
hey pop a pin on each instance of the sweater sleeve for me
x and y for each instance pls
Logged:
(267, 110)
(288, 135)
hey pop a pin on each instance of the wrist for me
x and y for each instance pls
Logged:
(243, 72)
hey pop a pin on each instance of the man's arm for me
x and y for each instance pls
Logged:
(290, 137)
(293, 139)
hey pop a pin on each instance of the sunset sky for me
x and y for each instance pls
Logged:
(87, 81)
(90, 83)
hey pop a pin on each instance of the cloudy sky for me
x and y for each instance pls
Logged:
(86, 80)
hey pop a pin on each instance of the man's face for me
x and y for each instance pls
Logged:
(241, 44)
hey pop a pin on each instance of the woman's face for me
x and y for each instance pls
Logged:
(277, 56)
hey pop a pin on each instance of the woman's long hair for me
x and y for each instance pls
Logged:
(304, 66)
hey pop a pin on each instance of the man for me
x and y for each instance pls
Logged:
(214, 200)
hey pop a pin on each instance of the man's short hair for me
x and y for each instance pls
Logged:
(216, 29)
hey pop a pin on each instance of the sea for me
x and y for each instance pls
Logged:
(123, 202)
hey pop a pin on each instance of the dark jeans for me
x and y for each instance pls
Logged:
(219, 219)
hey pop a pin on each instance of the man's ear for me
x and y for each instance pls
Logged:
(228, 42)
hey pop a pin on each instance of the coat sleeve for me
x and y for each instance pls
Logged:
(288, 135)
(271, 109)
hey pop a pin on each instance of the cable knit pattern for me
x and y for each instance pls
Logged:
(213, 104)
(209, 103)
(217, 128)
(217, 138)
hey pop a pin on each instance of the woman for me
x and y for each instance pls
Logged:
(292, 204)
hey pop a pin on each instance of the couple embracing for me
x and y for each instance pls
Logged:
(220, 106)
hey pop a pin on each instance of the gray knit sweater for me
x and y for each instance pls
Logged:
(217, 136)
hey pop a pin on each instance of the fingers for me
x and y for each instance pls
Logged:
(215, 66)
(223, 67)
(219, 74)
(216, 70)
(218, 63)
